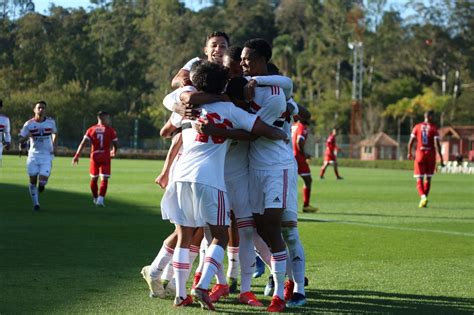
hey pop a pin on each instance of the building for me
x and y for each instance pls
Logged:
(457, 141)
(378, 147)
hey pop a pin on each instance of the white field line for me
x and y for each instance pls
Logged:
(392, 227)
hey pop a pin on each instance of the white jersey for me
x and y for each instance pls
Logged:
(5, 129)
(172, 100)
(270, 105)
(203, 156)
(40, 134)
(189, 64)
(237, 160)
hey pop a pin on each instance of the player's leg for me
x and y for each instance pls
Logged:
(164, 256)
(181, 264)
(323, 169)
(336, 171)
(427, 185)
(44, 173)
(199, 241)
(104, 170)
(94, 173)
(33, 188)
(233, 254)
(419, 173)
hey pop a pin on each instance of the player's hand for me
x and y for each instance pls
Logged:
(7, 146)
(112, 153)
(203, 126)
(249, 90)
(75, 160)
(162, 180)
(442, 163)
(410, 156)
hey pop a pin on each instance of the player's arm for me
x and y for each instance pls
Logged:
(211, 130)
(6, 135)
(300, 144)
(115, 146)
(410, 147)
(23, 138)
(75, 159)
(262, 129)
(173, 151)
(196, 98)
(181, 79)
(438, 149)
(277, 80)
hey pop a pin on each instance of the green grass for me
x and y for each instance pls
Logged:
(370, 249)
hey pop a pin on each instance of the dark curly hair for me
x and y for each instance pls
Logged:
(210, 77)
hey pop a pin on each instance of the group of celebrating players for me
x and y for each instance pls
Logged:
(230, 176)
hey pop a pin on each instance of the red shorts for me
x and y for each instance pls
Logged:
(425, 163)
(330, 157)
(100, 165)
(303, 167)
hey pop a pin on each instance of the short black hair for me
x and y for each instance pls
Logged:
(233, 52)
(235, 88)
(430, 113)
(273, 69)
(261, 47)
(217, 34)
(40, 102)
(102, 113)
(210, 77)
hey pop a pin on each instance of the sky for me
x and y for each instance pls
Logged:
(41, 6)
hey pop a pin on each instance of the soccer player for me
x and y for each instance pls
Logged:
(214, 49)
(427, 144)
(299, 135)
(269, 162)
(199, 188)
(330, 155)
(102, 137)
(5, 137)
(41, 132)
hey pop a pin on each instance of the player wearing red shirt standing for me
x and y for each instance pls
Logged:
(300, 132)
(330, 155)
(427, 144)
(102, 137)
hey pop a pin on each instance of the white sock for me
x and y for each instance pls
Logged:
(262, 249)
(100, 199)
(220, 276)
(297, 258)
(181, 270)
(278, 263)
(193, 253)
(246, 253)
(202, 255)
(213, 262)
(233, 262)
(34, 194)
(168, 272)
(161, 260)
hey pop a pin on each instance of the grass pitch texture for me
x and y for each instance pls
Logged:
(370, 248)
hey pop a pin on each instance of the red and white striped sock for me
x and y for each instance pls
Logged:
(161, 260)
(212, 263)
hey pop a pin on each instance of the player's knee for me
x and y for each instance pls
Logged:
(43, 181)
(290, 235)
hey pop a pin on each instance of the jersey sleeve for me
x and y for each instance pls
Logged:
(173, 98)
(6, 131)
(272, 110)
(284, 82)
(241, 119)
(24, 132)
(89, 132)
(176, 120)
(189, 64)
(113, 134)
(414, 131)
(53, 123)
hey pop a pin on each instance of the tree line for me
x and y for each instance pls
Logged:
(120, 56)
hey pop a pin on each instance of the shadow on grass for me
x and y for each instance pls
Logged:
(388, 216)
(72, 251)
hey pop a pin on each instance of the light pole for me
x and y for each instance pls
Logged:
(357, 84)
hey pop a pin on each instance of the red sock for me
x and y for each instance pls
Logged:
(94, 187)
(419, 186)
(306, 196)
(427, 186)
(103, 187)
(321, 173)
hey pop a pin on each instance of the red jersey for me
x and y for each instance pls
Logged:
(101, 138)
(425, 134)
(331, 144)
(298, 131)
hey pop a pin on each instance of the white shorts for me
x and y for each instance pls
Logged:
(238, 194)
(291, 211)
(40, 167)
(268, 189)
(195, 205)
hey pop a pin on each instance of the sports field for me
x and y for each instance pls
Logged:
(370, 249)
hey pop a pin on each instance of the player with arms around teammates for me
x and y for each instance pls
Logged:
(102, 137)
(41, 132)
(427, 144)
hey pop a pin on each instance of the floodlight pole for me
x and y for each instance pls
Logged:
(357, 84)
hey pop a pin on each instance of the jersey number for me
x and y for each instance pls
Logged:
(212, 117)
(100, 137)
(424, 135)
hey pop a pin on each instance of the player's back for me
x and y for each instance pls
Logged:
(101, 138)
(425, 134)
(270, 106)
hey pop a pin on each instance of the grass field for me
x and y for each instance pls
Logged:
(370, 249)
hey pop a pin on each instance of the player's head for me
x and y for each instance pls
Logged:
(255, 56)
(273, 69)
(193, 68)
(210, 77)
(334, 131)
(103, 117)
(39, 109)
(235, 90)
(231, 61)
(429, 116)
(216, 44)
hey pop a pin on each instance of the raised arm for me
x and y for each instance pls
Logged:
(176, 143)
(278, 80)
(181, 79)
